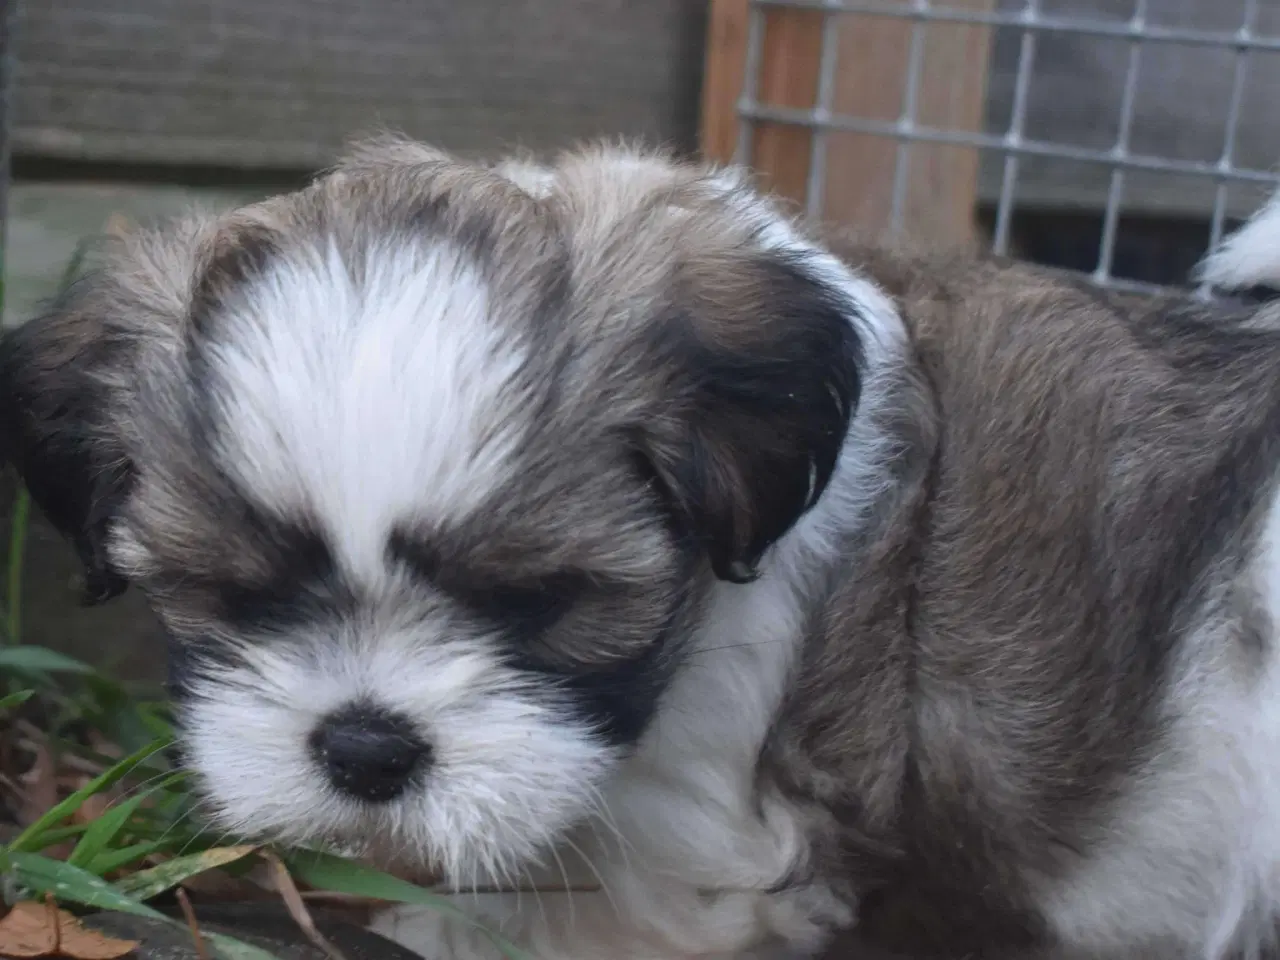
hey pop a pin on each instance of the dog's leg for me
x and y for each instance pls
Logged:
(550, 926)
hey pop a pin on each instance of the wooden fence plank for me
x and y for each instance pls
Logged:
(873, 55)
(941, 189)
(722, 76)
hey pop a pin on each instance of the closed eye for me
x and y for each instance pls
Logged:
(531, 606)
(534, 607)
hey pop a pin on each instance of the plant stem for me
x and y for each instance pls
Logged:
(17, 545)
(8, 18)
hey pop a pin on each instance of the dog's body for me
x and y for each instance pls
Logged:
(786, 584)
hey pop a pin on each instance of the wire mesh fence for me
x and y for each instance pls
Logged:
(1183, 77)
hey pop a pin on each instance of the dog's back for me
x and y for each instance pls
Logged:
(1088, 583)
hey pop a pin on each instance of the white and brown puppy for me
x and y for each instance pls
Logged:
(505, 514)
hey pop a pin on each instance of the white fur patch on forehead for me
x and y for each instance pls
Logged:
(368, 401)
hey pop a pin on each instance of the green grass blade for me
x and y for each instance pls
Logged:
(105, 827)
(121, 857)
(66, 882)
(15, 699)
(40, 660)
(30, 838)
(336, 875)
(17, 548)
(146, 884)
(152, 718)
(59, 834)
(71, 884)
(22, 502)
(71, 271)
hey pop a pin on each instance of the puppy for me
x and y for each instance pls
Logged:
(599, 519)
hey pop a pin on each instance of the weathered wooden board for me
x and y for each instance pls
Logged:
(282, 83)
(871, 54)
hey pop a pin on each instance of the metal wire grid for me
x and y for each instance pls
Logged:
(1013, 145)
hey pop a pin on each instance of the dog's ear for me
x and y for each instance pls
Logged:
(748, 344)
(56, 397)
(762, 361)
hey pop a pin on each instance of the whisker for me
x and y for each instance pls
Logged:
(512, 879)
(537, 896)
(735, 646)
(605, 818)
(597, 874)
(568, 888)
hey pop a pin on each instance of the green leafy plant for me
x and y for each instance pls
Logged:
(128, 832)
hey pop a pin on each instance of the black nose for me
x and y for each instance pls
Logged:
(368, 754)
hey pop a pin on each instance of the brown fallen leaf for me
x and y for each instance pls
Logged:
(30, 931)
(92, 808)
(39, 785)
(218, 885)
(51, 918)
(27, 932)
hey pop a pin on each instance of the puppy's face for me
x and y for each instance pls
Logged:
(427, 469)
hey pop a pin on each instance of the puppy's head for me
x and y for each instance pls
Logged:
(427, 469)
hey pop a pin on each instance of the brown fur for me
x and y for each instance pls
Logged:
(1088, 478)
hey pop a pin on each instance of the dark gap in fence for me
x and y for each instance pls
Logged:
(64, 170)
(1156, 250)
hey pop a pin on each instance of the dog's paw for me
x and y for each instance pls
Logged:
(542, 930)
(438, 935)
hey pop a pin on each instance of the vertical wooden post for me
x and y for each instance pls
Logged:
(788, 78)
(722, 78)
(942, 181)
(8, 20)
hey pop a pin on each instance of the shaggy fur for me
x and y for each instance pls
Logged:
(597, 521)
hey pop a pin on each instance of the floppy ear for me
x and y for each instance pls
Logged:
(748, 341)
(763, 359)
(55, 398)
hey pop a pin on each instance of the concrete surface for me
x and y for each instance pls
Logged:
(47, 220)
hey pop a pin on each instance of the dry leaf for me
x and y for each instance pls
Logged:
(29, 932)
(92, 808)
(81, 943)
(39, 785)
(217, 885)
(40, 792)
